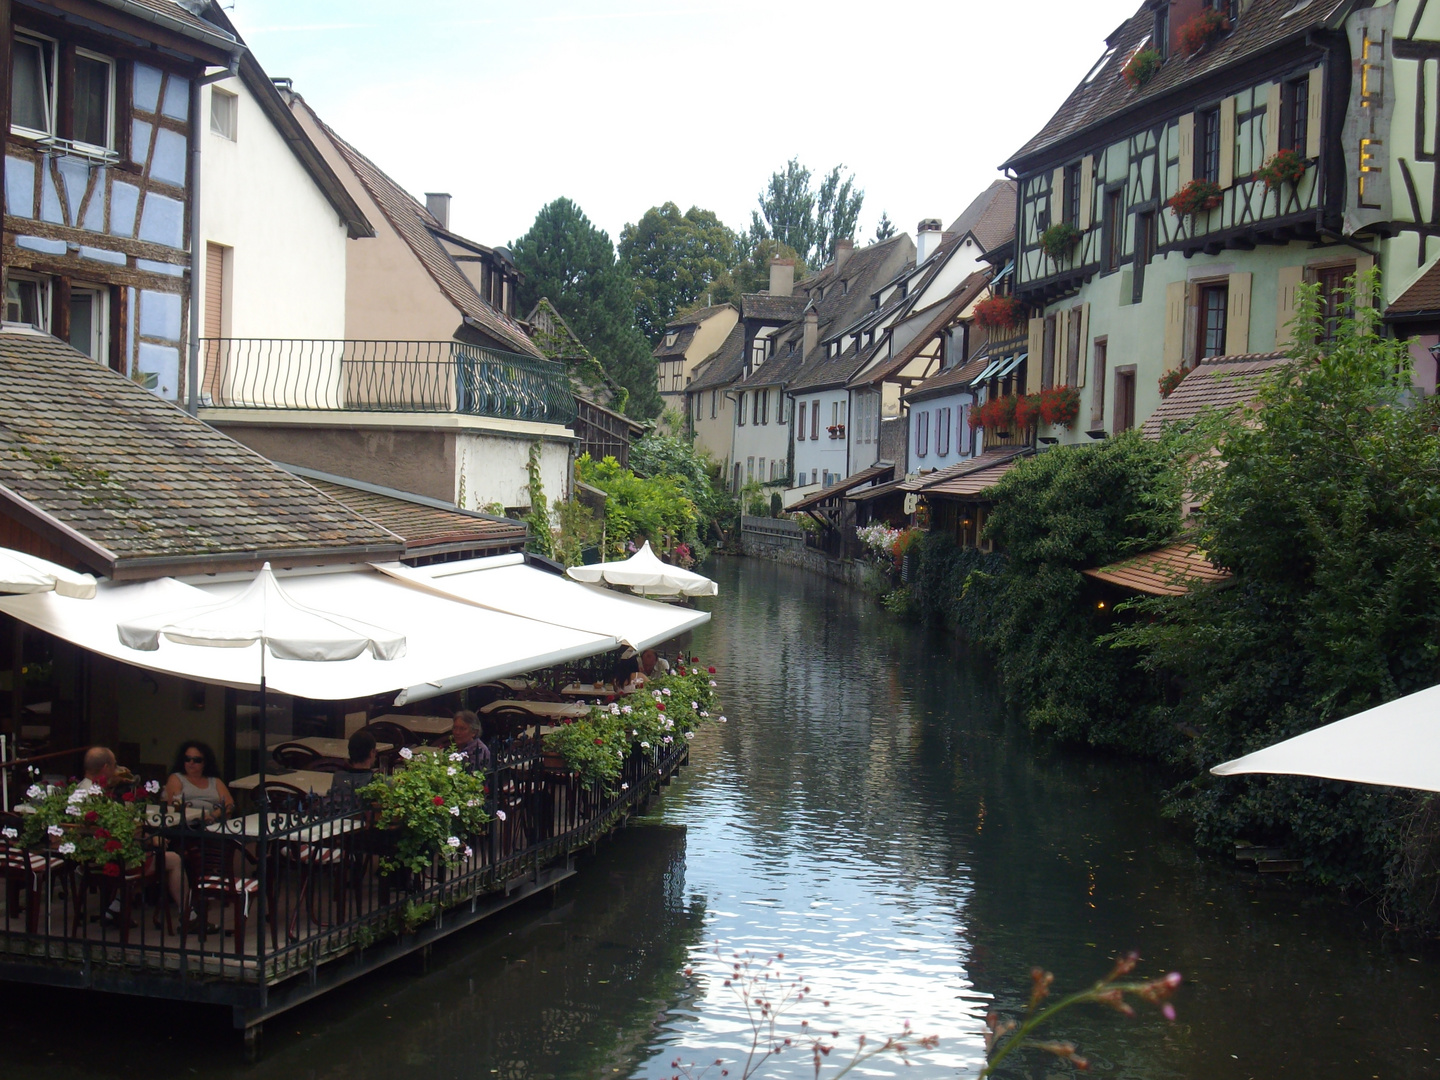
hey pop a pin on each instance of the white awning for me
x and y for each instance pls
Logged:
(450, 644)
(505, 583)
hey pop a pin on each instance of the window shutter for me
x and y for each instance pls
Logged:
(1363, 265)
(1035, 347)
(1175, 299)
(1237, 315)
(1287, 280)
(1272, 121)
(1062, 340)
(1057, 196)
(1185, 149)
(1087, 191)
(1084, 337)
(1314, 112)
(1227, 142)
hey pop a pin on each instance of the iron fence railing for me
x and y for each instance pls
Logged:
(382, 376)
(228, 904)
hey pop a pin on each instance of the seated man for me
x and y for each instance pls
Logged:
(99, 766)
(465, 730)
(651, 663)
(361, 765)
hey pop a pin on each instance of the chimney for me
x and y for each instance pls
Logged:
(438, 203)
(929, 233)
(812, 329)
(782, 277)
(843, 247)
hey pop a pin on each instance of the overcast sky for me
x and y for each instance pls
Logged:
(626, 104)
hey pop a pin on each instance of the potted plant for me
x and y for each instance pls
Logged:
(1170, 380)
(86, 827)
(1000, 313)
(1059, 240)
(433, 805)
(1141, 67)
(1197, 197)
(1202, 30)
(1060, 405)
(1285, 166)
(837, 431)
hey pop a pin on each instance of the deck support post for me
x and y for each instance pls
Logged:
(252, 1042)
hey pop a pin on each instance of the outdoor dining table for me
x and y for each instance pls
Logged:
(588, 690)
(539, 708)
(316, 782)
(336, 748)
(420, 725)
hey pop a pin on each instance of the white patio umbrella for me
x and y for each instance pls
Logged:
(1396, 745)
(22, 573)
(647, 575)
(286, 629)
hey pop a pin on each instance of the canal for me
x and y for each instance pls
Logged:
(869, 812)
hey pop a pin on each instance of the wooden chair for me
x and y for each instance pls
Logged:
(387, 731)
(26, 870)
(292, 755)
(132, 882)
(218, 865)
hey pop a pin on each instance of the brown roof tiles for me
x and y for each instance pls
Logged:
(1219, 383)
(1169, 571)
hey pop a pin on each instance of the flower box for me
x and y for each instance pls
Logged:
(1059, 240)
(1000, 313)
(1284, 166)
(837, 431)
(1141, 67)
(1202, 30)
(1196, 197)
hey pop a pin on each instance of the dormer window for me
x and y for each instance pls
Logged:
(670, 339)
(1161, 34)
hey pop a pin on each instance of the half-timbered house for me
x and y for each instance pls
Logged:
(1206, 165)
(688, 340)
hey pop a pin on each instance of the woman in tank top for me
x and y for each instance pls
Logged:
(195, 782)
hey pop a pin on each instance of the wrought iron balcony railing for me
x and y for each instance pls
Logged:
(382, 376)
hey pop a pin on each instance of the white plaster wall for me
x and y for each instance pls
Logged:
(961, 437)
(287, 274)
(770, 441)
(824, 453)
(491, 468)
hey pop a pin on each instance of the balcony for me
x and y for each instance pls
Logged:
(382, 376)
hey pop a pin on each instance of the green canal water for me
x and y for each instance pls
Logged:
(868, 811)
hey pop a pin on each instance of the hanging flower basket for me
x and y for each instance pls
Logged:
(1170, 380)
(1059, 240)
(1202, 30)
(1141, 67)
(1196, 197)
(1286, 166)
(1000, 313)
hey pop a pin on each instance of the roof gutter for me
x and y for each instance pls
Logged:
(153, 566)
(47, 525)
(216, 37)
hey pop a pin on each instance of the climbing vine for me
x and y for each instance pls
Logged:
(541, 541)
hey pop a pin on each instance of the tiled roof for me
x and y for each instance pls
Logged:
(1263, 23)
(968, 473)
(771, 307)
(182, 20)
(1170, 571)
(684, 335)
(418, 228)
(779, 369)
(1218, 383)
(990, 218)
(1422, 296)
(695, 318)
(850, 483)
(422, 524)
(950, 380)
(142, 480)
(945, 312)
(823, 372)
(724, 365)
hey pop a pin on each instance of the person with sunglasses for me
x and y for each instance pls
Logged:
(195, 783)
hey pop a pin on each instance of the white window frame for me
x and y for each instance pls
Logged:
(51, 91)
(42, 297)
(100, 326)
(216, 93)
(109, 62)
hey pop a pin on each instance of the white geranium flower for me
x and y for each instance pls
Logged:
(152, 787)
(472, 803)
(722, 719)
(702, 713)
(500, 814)
(468, 853)
(667, 740)
(713, 684)
(453, 841)
(406, 753)
(624, 787)
(456, 757)
(666, 691)
(450, 770)
(644, 746)
(669, 724)
(634, 733)
(689, 735)
(694, 705)
(67, 848)
(55, 830)
(34, 791)
(77, 796)
(74, 810)
(627, 710)
(9, 833)
(454, 811)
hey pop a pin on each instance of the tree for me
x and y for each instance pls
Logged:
(809, 221)
(671, 257)
(750, 275)
(885, 229)
(568, 259)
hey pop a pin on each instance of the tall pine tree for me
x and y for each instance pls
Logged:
(565, 257)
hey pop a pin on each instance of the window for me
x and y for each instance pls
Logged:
(942, 432)
(714, 396)
(25, 301)
(764, 406)
(1097, 383)
(1114, 228)
(1160, 34)
(814, 476)
(1214, 302)
(1144, 238)
(755, 408)
(1334, 303)
(815, 419)
(1072, 194)
(749, 469)
(93, 100)
(922, 434)
(224, 111)
(760, 469)
(1294, 110)
(677, 372)
(32, 84)
(800, 426)
(1207, 145)
(1124, 399)
(772, 468)
(88, 322)
(740, 412)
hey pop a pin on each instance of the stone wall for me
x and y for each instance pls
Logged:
(783, 541)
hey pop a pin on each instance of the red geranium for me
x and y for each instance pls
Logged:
(113, 845)
(599, 742)
(102, 834)
(129, 796)
(439, 800)
(712, 671)
(660, 705)
(112, 869)
(91, 817)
